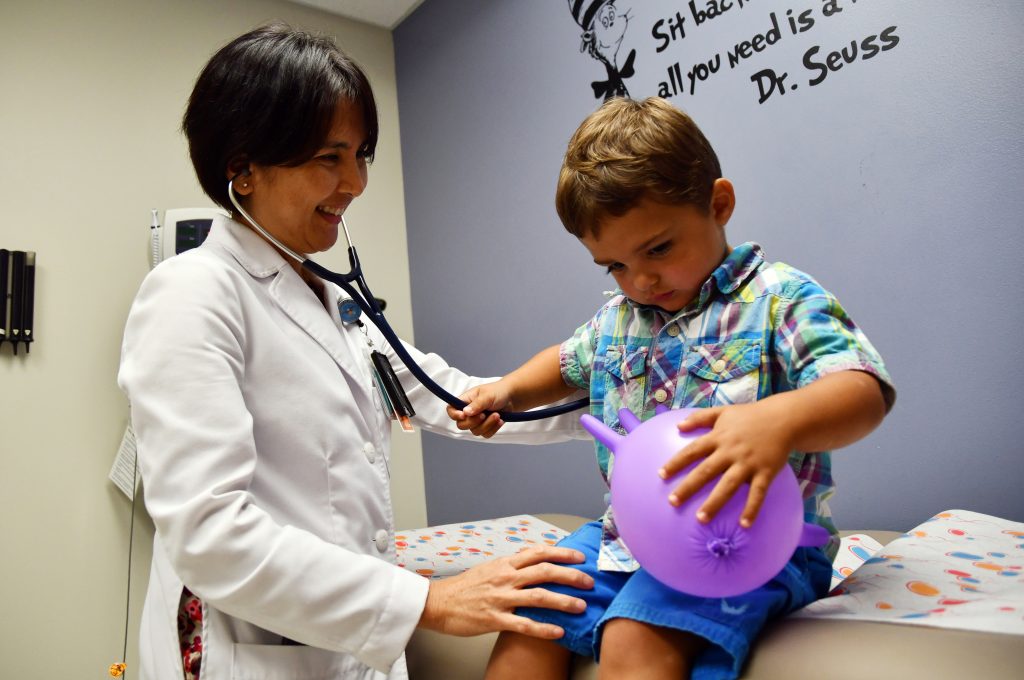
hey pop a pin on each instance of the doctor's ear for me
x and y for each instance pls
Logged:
(240, 173)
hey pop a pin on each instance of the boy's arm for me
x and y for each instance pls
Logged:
(751, 442)
(537, 382)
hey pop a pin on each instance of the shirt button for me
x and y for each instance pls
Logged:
(381, 540)
(718, 366)
(370, 451)
(660, 396)
(673, 330)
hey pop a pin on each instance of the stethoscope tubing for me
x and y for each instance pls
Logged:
(365, 300)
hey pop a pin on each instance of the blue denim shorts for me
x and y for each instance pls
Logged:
(730, 625)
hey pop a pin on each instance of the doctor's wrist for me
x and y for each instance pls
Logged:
(433, 615)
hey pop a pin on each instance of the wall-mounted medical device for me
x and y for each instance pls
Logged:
(17, 297)
(182, 229)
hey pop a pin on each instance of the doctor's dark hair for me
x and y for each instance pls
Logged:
(268, 97)
(629, 150)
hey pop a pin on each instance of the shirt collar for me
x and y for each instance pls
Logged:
(735, 269)
(253, 253)
(738, 266)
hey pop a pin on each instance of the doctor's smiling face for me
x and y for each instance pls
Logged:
(301, 205)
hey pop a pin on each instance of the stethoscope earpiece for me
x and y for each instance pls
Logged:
(241, 173)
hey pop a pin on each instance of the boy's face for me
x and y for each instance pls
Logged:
(661, 254)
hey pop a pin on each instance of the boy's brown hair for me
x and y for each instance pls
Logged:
(628, 150)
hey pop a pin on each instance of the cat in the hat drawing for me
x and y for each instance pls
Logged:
(604, 24)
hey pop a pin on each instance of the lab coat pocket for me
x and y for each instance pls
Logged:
(720, 374)
(294, 662)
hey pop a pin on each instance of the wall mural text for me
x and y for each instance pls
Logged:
(818, 63)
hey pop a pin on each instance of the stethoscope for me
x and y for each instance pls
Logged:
(368, 304)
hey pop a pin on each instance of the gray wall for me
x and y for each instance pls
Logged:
(897, 182)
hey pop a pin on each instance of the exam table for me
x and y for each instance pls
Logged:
(789, 649)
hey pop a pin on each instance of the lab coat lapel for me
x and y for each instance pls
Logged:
(295, 299)
(300, 303)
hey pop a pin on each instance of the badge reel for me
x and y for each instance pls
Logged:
(393, 398)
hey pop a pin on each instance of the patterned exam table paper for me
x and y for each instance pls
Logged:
(450, 549)
(436, 552)
(959, 569)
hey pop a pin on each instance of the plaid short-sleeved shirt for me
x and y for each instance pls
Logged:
(756, 329)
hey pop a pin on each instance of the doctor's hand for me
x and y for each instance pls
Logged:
(480, 416)
(483, 599)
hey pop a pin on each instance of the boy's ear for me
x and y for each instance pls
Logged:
(723, 201)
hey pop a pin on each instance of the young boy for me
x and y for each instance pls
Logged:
(781, 373)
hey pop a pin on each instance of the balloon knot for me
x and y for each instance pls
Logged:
(720, 547)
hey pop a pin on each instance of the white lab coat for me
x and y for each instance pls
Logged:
(263, 452)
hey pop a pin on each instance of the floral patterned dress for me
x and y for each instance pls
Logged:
(190, 634)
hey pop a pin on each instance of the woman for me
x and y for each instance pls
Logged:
(262, 442)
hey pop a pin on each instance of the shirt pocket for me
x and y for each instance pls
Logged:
(624, 362)
(720, 374)
(625, 369)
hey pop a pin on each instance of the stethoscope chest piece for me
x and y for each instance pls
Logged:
(349, 310)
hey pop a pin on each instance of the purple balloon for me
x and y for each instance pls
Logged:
(717, 559)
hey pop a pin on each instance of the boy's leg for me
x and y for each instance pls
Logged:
(518, 656)
(637, 651)
(728, 626)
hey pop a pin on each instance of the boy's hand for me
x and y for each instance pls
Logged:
(747, 443)
(480, 413)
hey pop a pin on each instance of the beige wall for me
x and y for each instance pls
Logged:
(91, 95)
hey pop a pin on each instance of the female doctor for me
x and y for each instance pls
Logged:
(262, 443)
